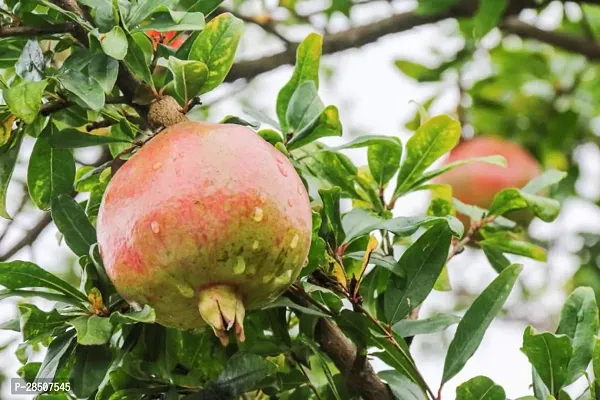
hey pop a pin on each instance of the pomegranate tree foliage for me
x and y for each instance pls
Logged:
(369, 268)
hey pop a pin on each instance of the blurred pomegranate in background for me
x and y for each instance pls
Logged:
(479, 182)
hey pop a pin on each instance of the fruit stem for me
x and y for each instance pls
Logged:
(222, 308)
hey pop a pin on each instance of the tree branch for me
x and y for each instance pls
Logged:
(36, 30)
(576, 44)
(29, 238)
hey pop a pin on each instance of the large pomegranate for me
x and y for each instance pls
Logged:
(478, 183)
(205, 221)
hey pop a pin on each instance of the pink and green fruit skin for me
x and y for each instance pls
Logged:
(203, 205)
(478, 183)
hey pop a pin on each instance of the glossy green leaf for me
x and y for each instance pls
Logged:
(142, 9)
(37, 324)
(51, 172)
(71, 221)
(579, 321)
(189, 76)
(114, 43)
(22, 274)
(92, 330)
(547, 179)
(42, 294)
(84, 88)
(480, 388)
(596, 363)
(506, 244)
(514, 199)
(216, 46)
(487, 16)
(59, 352)
(435, 323)
(24, 100)
(73, 138)
(550, 355)
(323, 363)
(139, 56)
(332, 219)
(477, 319)
(243, 372)
(304, 108)
(494, 160)
(105, 15)
(308, 58)
(145, 315)
(285, 302)
(89, 369)
(8, 159)
(328, 124)
(434, 138)
(496, 258)
(174, 21)
(422, 262)
(401, 386)
(104, 70)
(384, 161)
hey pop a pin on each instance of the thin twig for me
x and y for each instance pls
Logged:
(36, 30)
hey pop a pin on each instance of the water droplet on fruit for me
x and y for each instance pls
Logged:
(290, 203)
(284, 278)
(279, 160)
(258, 214)
(185, 290)
(282, 169)
(155, 227)
(294, 242)
(300, 189)
(157, 166)
(255, 245)
(240, 266)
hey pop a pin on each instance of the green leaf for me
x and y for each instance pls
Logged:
(496, 259)
(419, 72)
(216, 46)
(56, 297)
(487, 16)
(174, 21)
(304, 108)
(328, 124)
(285, 302)
(476, 320)
(24, 99)
(323, 363)
(308, 57)
(145, 315)
(114, 43)
(84, 88)
(515, 199)
(22, 274)
(430, 7)
(401, 386)
(243, 372)
(434, 138)
(8, 159)
(142, 9)
(384, 161)
(189, 77)
(71, 221)
(579, 321)
(72, 138)
(550, 355)
(422, 262)
(89, 369)
(92, 330)
(105, 16)
(51, 172)
(504, 243)
(596, 363)
(37, 324)
(435, 323)
(480, 388)
(59, 352)
(104, 70)
(547, 179)
(331, 210)
(139, 56)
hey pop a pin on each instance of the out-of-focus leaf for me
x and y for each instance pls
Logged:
(285, 302)
(550, 355)
(216, 46)
(89, 369)
(505, 244)
(514, 199)
(401, 386)
(476, 320)
(308, 58)
(243, 372)
(487, 16)
(548, 178)
(174, 21)
(73, 138)
(496, 258)
(8, 159)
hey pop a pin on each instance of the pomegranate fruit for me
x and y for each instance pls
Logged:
(202, 223)
(479, 182)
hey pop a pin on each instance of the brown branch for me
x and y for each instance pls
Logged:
(576, 44)
(36, 30)
(54, 106)
(29, 238)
